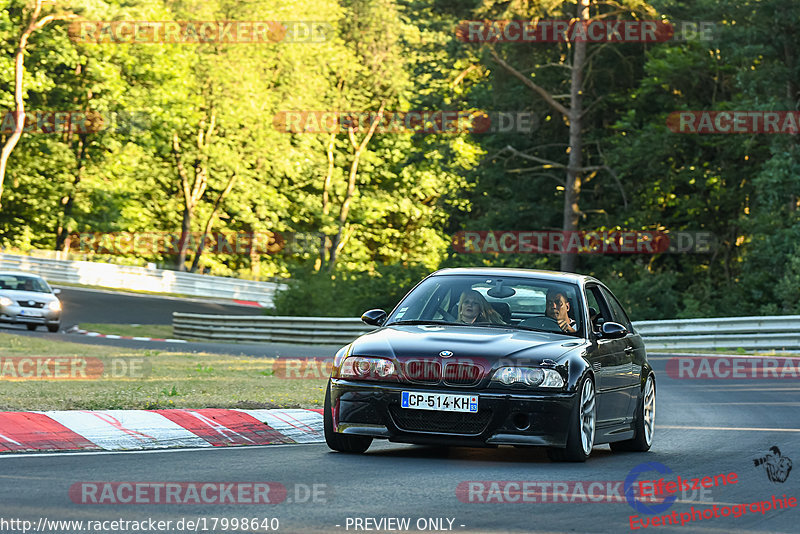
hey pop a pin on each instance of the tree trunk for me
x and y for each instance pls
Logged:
(19, 70)
(192, 192)
(572, 188)
(324, 240)
(63, 231)
(210, 221)
(338, 243)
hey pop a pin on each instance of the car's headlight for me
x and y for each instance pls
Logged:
(368, 368)
(54, 305)
(528, 376)
(5, 301)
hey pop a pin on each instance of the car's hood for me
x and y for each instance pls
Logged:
(15, 295)
(473, 342)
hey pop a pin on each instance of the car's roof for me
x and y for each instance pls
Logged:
(555, 276)
(19, 273)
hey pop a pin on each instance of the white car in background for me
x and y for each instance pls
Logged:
(27, 299)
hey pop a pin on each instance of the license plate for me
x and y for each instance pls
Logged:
(30, 313)
(439, 402)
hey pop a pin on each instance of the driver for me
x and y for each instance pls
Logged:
(557, 308)
(473, 308)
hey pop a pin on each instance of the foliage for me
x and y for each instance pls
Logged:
(388, 210)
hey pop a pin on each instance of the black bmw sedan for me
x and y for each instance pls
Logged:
(485, 357)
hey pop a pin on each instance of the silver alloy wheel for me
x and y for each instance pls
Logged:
(649, 410)
(587, 416)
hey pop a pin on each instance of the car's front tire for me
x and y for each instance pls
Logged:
(341, 442)
(53, 327)
(580, 438)
(31, 327)
(645, 424)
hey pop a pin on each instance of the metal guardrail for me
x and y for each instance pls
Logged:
(305, 330)
(140, 278)
(778, 332)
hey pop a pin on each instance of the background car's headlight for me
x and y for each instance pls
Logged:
(368, 368)
(528, 376)
(54, 305)
(5, 301)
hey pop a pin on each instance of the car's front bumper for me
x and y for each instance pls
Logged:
(503, 418)
(18, 315)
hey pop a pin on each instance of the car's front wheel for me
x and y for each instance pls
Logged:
(53, 327)
(645, 424)
(580, 438)
(341, 442)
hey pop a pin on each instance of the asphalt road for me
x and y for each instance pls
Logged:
(97, 306)
(704, 428)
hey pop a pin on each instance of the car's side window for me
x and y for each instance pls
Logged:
(599, 311)
(616, 310)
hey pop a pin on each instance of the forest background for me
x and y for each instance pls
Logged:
(190, 142)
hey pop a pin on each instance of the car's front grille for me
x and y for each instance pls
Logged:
(30, 304)
(444, 422)
(462, 374)
(422, 371)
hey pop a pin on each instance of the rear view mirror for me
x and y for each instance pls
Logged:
(501, 292)
(374, 317)
(56, 291)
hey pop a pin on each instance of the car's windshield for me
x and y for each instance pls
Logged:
(13, 282)
(500, 301)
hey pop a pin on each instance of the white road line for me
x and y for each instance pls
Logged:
(146, 451)
(736, 429)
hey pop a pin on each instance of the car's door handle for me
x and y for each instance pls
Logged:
(628, 350)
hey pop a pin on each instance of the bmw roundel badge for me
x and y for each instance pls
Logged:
(445, 354)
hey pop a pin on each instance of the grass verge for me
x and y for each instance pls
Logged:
(148, 379)
(134, 330)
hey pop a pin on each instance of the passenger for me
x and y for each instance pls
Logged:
(473, 308)
(557, 308)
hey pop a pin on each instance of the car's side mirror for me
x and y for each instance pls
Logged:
(374, 317)
(612, 330)
(56, 291)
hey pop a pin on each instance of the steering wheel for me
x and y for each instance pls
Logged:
(542, 323)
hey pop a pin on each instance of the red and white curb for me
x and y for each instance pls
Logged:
(114, 336)
(121, 430)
